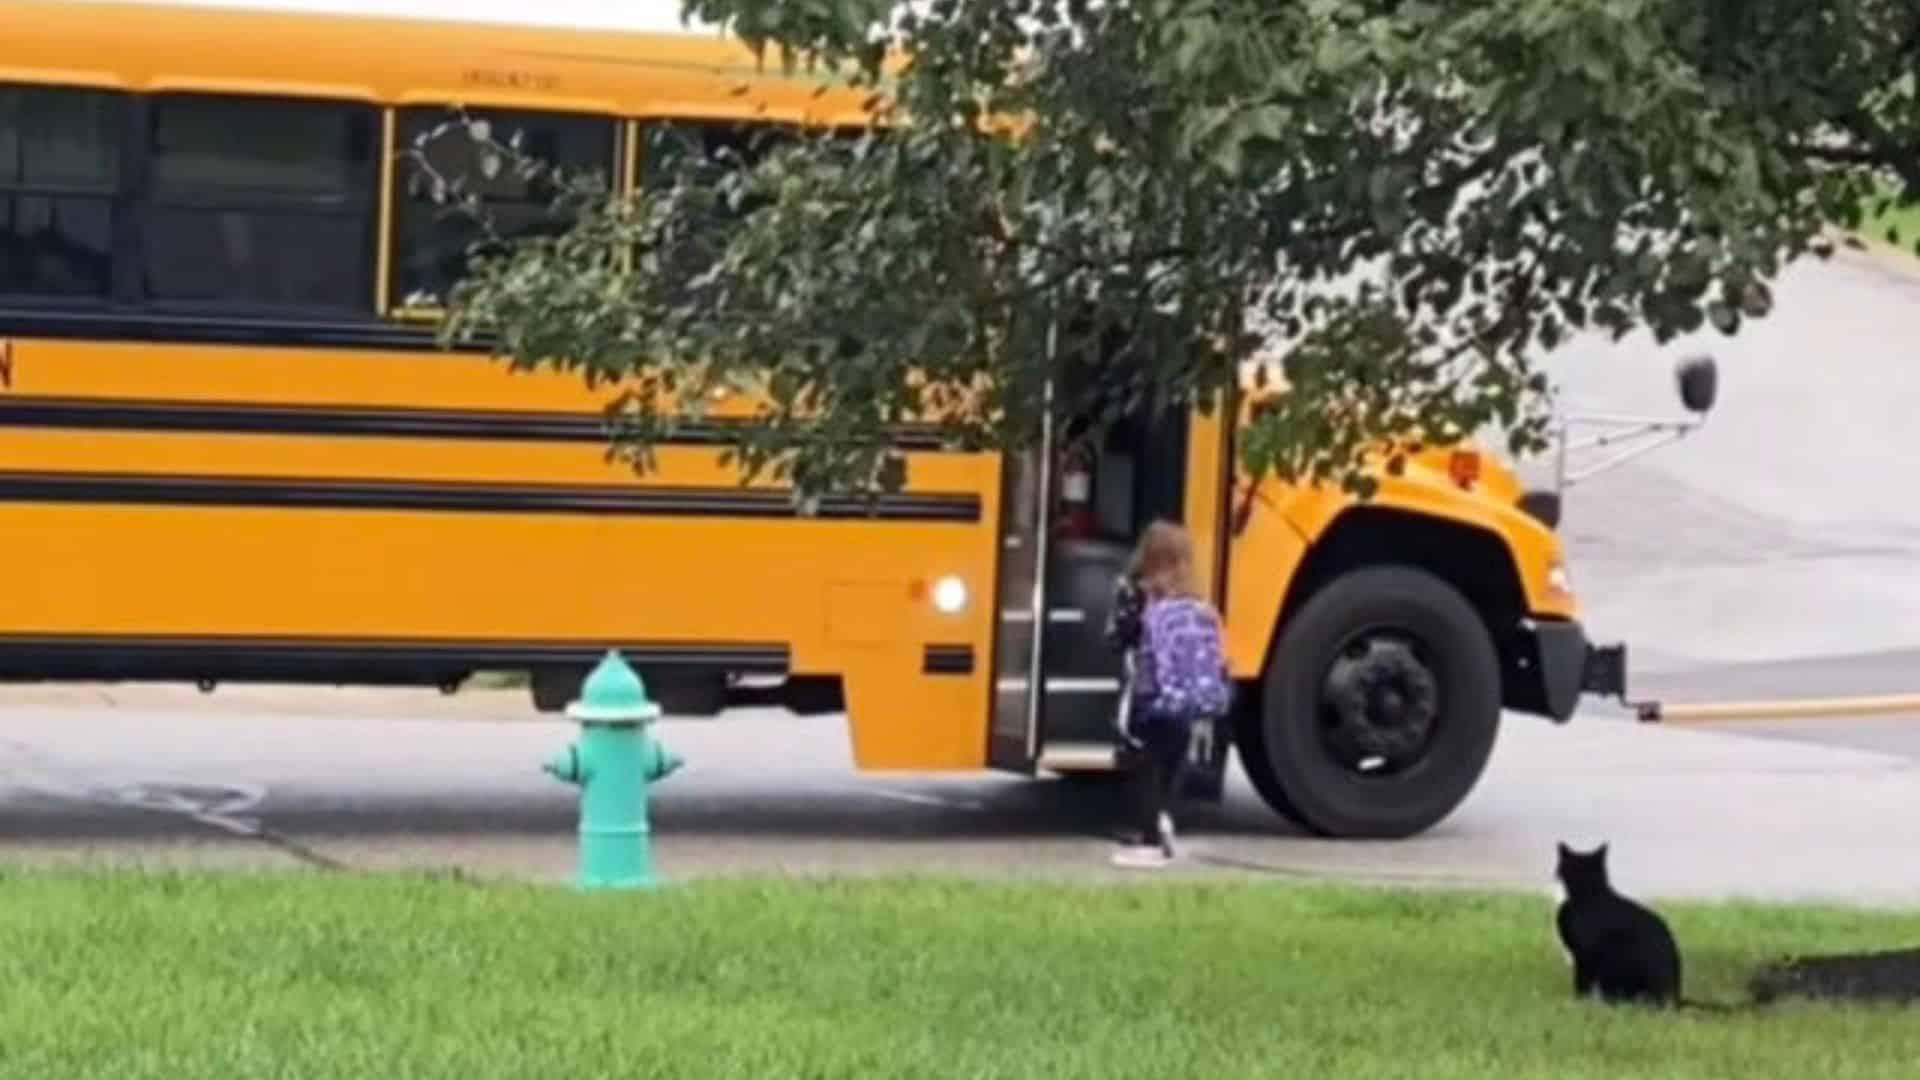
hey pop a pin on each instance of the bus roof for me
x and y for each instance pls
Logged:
(160, 47)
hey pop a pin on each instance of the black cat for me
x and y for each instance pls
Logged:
(1621, 951)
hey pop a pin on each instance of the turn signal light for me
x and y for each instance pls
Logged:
(1464, 467)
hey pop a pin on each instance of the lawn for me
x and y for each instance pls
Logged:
(168, 976)
(1906, 220)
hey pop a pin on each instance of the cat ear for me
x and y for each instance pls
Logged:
(1600, 852)
(1564, 849)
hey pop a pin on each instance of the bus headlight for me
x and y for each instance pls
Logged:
(1559, 580)
(950, 595)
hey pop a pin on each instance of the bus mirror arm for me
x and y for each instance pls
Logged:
(1636, 436)
(1697, 378)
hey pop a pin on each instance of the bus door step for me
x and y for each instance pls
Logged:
(1079, 757)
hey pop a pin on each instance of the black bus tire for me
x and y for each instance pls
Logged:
(1411, 646)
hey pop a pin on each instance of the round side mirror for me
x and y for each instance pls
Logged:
(1699, 380)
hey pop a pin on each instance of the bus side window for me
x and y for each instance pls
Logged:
(264, 203)
(719, 146)
(59, 175)
(431, 241)
(714, 148)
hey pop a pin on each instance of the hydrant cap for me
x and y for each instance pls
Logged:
(614, 692)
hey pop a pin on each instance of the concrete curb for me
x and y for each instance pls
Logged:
(1898, 260)
(1654, 712)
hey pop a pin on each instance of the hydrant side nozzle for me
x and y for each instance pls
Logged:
(669, 763)
(564, 765)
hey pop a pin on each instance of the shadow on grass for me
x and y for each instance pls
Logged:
(1887, 977)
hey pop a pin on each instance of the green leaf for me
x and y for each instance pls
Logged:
(1723, 316)
(1268, 121)
(1229, 154)
(1198, 35)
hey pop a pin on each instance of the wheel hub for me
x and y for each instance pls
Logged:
(1382, 702)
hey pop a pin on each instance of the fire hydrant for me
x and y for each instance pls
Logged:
(613, 762)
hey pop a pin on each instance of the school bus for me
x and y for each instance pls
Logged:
(231, 451)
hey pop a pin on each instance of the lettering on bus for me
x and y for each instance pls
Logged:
(504, 79)
(6, 364)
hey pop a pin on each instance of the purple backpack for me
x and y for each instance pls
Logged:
(1185, 673)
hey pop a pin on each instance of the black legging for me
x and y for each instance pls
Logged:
(1159, 773)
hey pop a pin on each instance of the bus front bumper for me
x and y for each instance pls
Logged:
(1569, 665)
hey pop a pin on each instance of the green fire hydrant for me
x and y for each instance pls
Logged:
(614, 761)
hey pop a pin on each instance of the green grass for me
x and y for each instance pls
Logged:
(167, 976)
(1905, 220)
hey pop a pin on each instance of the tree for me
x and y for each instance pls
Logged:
(1404, 199)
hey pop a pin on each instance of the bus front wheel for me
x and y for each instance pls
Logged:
(1380, 706)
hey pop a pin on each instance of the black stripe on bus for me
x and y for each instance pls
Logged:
(305, 493)
(372, 660)
(948, 660)
(157, 328)
(361, 421)
(747, 657)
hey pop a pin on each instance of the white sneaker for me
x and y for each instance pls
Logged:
(1166, 836)
(1142, 857)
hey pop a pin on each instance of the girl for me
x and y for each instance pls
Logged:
(1178, 678)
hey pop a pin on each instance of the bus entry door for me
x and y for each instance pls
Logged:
(1066, 534)
(1014, 736)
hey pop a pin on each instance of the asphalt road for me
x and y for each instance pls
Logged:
(380, 780)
